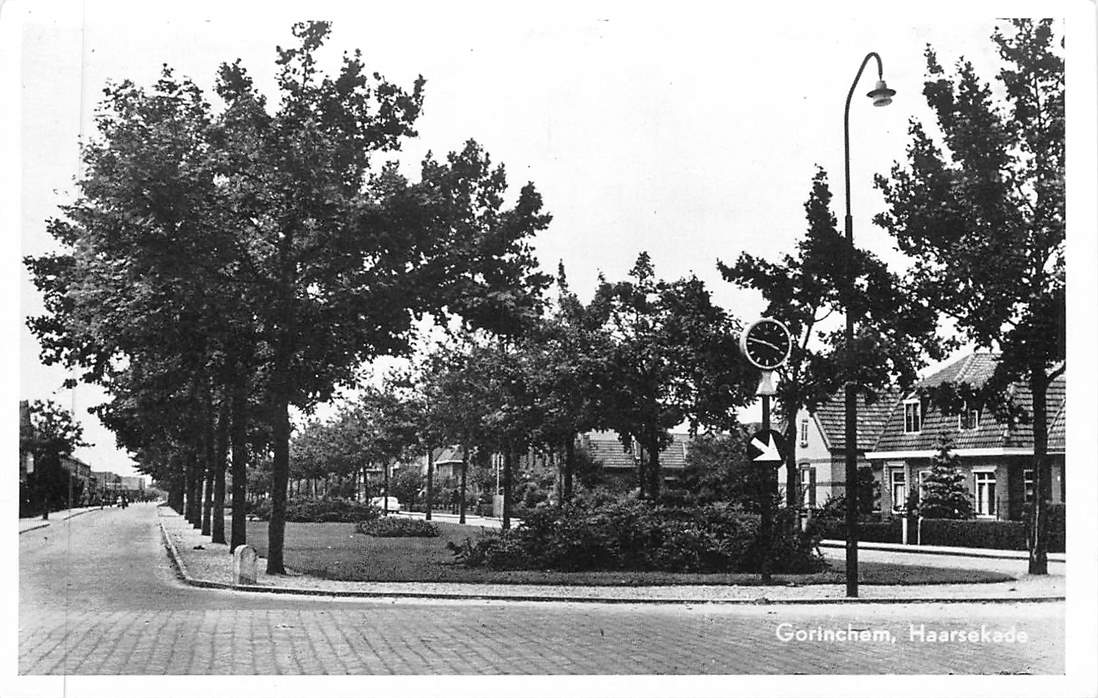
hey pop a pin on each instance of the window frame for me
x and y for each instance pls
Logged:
(808, 485)
(917, 420)
(804, 432)
(975, 413)
(990, 481)
(897, 506)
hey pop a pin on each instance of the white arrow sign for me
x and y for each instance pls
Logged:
(769, 449)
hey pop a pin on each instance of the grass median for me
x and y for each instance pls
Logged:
(337, 551)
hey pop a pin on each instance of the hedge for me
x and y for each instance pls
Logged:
(319, 511)
(392, 527)
(868, 531)
(999, 535)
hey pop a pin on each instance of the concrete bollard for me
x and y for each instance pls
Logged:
(244, 565)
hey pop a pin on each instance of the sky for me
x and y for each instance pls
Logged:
(691, 133)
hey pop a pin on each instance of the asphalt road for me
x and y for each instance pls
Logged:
(98, 596)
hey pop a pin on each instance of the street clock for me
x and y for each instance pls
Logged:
(766, 343)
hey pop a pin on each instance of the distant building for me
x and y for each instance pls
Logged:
(133, 483)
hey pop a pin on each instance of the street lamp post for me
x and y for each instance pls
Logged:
(882, 96)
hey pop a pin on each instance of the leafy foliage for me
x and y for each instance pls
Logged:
(895, 332)
(981, 213)
(635, 534)
(672, 358)
(393, 527)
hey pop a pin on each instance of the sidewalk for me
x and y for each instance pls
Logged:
(943, 550)
(33, 523)
(211, 566)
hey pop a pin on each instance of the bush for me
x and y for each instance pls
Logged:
(1001, 535)
(630, 534)
(319, 511)
(393, 527)
(868, 531)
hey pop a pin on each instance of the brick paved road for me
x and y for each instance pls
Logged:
(91, 605)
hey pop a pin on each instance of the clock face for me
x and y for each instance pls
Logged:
(766, 344)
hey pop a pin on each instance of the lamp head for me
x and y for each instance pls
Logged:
(882, 96)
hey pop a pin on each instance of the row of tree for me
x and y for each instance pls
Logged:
(221, 267)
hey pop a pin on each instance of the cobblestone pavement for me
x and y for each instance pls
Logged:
(97, 596)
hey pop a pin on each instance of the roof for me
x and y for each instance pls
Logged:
(872, 418)
(605, 447)
(974, 369)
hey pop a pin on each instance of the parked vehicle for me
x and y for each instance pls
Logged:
(379, 502)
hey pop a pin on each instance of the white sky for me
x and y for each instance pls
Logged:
(691, 132)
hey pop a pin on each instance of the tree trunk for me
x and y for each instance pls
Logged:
(221, 448)
(385, 471)
(430, 481)
(175, 494)
(208, 449)
(569, 467)
(194, 490)
(508, 462)
(238, 530)
(654, 475)
(1042, 471)
(280, 477)
(461, 486)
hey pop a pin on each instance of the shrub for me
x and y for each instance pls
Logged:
(868, 531)
(630, 534)
(1002, 535)
(393, 527)
(319, 511)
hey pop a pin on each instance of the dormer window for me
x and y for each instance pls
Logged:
(913, 416)
(969, 419)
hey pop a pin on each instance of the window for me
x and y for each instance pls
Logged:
(808, 486)
(899, 489)
(1028, 484)
(969, 420)
(804, 432)
(913, 417)
(985, 493)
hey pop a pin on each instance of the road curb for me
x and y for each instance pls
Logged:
(181, 570)
(47, 523)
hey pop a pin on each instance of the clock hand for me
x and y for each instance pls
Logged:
(751, 340)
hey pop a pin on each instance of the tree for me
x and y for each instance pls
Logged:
(895, 333)
(329, 258)
(718, 469)
(981, 213)
(48, 435)
(944, 494)
(671, 359)
(567, 368)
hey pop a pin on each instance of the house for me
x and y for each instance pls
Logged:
(621, 463)
(821, 444)
(898, 437)
(996, 458)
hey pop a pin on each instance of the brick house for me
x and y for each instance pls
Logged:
(821, 445)
(995, 458)
(898, 438)
(621, 464)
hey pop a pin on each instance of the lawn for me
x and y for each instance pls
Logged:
(337, 551)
